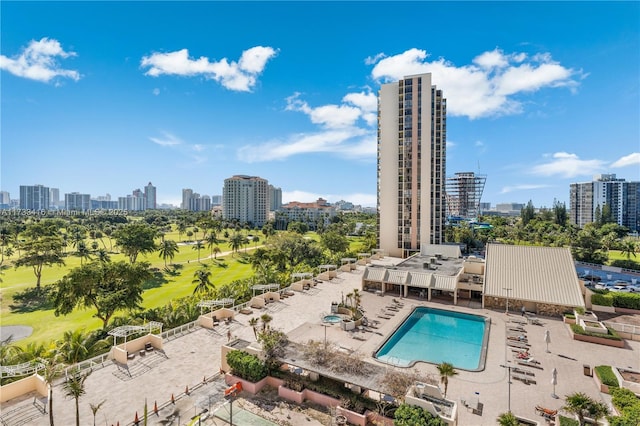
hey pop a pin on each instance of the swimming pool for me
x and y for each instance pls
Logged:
(332, 318)
(435, 336)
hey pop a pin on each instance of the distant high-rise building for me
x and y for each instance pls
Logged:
(150, 196)
(187, 194)
(510, 208)
(275, 198)
(54, 198)
(5, 200)
(216, 200)
(412, 140)
(34, 197)
(464, 192)
(77, 201)
(246, 199)
(484, 207)
(606, 193)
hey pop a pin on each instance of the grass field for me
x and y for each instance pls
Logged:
(46, 326)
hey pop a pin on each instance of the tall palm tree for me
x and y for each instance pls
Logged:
(202, 279)
(253, 322)
(446, 370)
(216, 251)
(212, 241)
(83, 251)
(95, 408)
(74, 388)
(103, 256)
(49, 373)
(74, 346)
(266, 319)
(198, 246)
(236, 241)
(628, 247)
(168, 249)
(582, 405)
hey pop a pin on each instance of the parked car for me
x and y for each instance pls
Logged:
(619, 288)
(634, 288)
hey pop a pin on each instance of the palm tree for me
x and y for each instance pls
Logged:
(74, 346)
(49, 373)
(253, 322)
(212, 241)
(168, 249)
(103, 256)
(236, 242)
(74, 388)
(95, 408)
(198, 246)
(508, 419)
(266, 319)
(446, 370)
(202, 279)
(216, 251)
(83, 251)
(582, 405)
(628, 247)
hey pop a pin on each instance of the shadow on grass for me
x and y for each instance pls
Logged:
(173, 269)
(33, 299)
(157, 280)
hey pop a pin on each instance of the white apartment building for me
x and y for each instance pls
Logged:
(246, 199)
(411, 165)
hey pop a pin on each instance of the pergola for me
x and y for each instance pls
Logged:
(127, 330)
(347, 260)
(326, 268)
(26, 368)
(215, 303)
(301, 275)
(264, 287)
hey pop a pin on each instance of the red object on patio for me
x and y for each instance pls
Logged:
(136, 420)
(155, 407)
(173, 400)
(186, 390)
(233, 389)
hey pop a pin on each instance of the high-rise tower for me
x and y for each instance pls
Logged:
(411, 165)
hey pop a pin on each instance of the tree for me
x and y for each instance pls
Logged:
(410, 415)
(198, 246)
(74, 388)
(334, 242)
(236, 242)
(43, 247)
(168, 249)
(582, 406)
(446, 370)
(253, 322)
(107, 287)
(94, 409)
(135, 238)
(628, 248)
(49, 373)
(508, 419)
(212, 241)
(83, 251)
(266, 319)
(202, 279)
(528, 213)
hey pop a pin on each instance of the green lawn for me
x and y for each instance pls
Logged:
(47, 327)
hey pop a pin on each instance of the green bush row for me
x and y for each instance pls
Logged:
(628, 405)
(617, 299)
(606, 376)
(612, 335)
(247, 366)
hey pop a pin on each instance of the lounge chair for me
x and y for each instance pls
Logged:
(517, 344)
(529, 363)
(523, 371)
(148, 347)
(545, 411)
(383, 316)
(525, 379)
(131, 355)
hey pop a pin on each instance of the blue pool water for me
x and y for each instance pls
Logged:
(435, 336)
(332, 318)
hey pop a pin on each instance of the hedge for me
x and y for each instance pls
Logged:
(612, 335)
(605, 373)
(247, 366)
(617, 299)
(602, 299)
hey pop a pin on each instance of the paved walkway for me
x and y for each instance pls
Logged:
(191, 363)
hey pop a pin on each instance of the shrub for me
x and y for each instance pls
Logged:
(408, 415)
(566, 421)
(602, 299)
(628, 404)
(612, 335)
(247, 366)
(605, 373)
(569, 316)
(625, 300)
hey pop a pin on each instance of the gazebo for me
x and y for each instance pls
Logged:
(348, 264)
(265, 288)
(363, 258)
(211, 304)
(327, 272)
(121, 354)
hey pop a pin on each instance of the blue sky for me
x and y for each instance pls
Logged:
(103, 97)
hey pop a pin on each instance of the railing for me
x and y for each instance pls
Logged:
(624, 328)
(180, 330)
(95, 363)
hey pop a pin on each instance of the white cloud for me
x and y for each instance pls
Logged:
(632, 159)
(370, 60)
(487, 86)
(353, 142)
(167, 140)
(156, 91)
(523, 187)
(239, 76)
(568, 166)
(198, 148)
(39, 61)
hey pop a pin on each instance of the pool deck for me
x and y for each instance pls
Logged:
(189, 359)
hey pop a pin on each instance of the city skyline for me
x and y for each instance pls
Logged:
(97, 97)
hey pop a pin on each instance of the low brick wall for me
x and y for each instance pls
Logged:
(599, 340)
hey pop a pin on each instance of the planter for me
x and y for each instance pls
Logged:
(599, 340)
(603, 388)
(569, 320)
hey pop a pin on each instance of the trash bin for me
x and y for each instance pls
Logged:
(586, 369)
